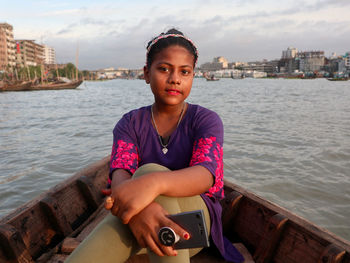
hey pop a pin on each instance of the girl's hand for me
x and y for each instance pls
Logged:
(146, 224)
(131, 196)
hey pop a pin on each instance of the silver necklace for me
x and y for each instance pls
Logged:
(165, 149)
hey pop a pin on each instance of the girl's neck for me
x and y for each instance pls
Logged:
(166, 119)
(168, 110)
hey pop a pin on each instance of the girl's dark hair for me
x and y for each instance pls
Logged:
(155, 46)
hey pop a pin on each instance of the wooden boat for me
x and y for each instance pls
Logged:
(57, 86)
(211, 78)
(338, 79)
(28, 86)
(18, 86)
(48, 228)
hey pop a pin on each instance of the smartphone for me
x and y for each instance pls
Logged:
(194, 223)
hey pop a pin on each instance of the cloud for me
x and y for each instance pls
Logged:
(111, 34)
(65, 12)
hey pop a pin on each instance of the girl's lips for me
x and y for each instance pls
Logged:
(173, 92)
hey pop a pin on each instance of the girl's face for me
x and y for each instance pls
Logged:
(171, 75)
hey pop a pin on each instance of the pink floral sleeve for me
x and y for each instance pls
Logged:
(209, 153)
(124, 156)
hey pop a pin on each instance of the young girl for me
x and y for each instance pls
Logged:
(166, 158)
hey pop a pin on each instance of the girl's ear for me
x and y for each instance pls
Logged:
(146, 74)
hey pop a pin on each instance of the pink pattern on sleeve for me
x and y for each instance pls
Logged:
(206, 150)
(124, 156)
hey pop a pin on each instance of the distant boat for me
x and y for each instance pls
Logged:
(212, 78)
(209, 77)
(338, 79)
(29, 86)
(57, 86)
(17, 86)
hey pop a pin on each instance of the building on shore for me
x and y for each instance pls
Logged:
(49, 55)
(290, 53)
(311, 61)
(7, 47)
(338, 65)
(237, 65)
(335, 64)
(119, 73)
(218, 63)
(347, 61)
(268, 67)
(29, 53)
(289, 63)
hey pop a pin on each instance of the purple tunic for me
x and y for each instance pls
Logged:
(198, 140)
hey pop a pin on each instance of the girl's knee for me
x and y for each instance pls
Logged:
(149, 168)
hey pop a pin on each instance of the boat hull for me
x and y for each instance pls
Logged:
(28, 86)
(338, 79)
(69, 85)
(17, 87)
(39, 230)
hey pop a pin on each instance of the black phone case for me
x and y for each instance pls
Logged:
(194, 223)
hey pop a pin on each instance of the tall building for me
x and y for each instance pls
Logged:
(7, 47)
(289, 62)
(347, 60)
(49, 55)
(29, 53)
(290, 53)
(221, 60)
(217, 64)
(311, 61)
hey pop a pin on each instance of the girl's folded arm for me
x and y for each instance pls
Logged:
(189, 181)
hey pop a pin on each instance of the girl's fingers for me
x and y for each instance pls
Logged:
(180, 231)
(141, 242)
(169, 251)
(154, 247)
(109, 201)
(115, 210)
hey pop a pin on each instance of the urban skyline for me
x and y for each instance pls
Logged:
(115, 33)
(44, 54)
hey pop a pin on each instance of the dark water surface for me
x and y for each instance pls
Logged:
(286, 140)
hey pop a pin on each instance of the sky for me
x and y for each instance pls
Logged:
(114, 33)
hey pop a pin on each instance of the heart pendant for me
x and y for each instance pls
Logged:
(165, 150)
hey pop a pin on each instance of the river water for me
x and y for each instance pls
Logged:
(286, 140)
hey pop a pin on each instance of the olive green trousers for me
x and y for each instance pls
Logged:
(113, 241)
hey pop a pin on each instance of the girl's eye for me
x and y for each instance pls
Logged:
(185, 72)
(163, 69)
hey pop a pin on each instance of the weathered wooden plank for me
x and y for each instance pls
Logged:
(299, 245)
(55, 215)
(89, 191)
(69, 209)
(332, 254)
(37, 232)
(270, 239)
(12, 245)
(298, 228)
(69, 244)
(100, 214)
(230, 207)
(249, 224)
